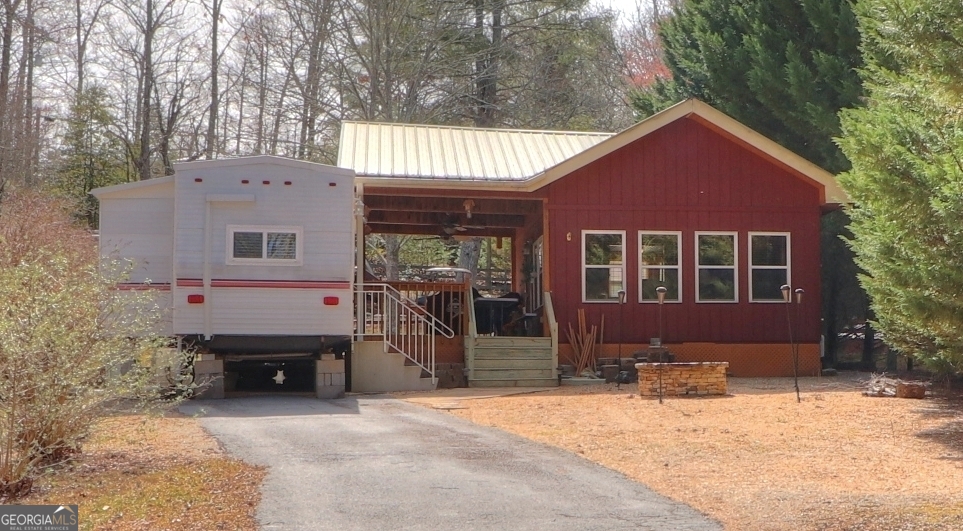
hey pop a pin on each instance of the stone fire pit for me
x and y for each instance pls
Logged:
(680, 379)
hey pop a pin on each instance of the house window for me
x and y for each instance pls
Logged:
(263, 245)
(603, 269)
(768, 265)
(660, 262)
(716, 266)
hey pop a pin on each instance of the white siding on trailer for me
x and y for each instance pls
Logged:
(319, 200)
(267, 311)
(139, 231)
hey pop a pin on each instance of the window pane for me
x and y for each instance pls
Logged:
(717, 285)
(766, 284)
(769, 250)
(660, 249)
(716, 249)
(282, 245)
(603, 249)
(248, 244)
(602, 283)
(655, 277)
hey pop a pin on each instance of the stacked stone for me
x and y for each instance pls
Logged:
(679, 379)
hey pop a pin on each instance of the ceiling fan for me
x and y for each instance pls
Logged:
(451, 226)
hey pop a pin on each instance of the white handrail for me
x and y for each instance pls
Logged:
(552, 328)
(403, 325)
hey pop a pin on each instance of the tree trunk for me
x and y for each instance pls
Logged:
(212, 115)
(143, 158)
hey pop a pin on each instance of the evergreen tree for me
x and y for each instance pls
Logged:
(91, 156)
(906, 146)
(783, 67)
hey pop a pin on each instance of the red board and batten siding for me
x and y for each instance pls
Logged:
(686, 177)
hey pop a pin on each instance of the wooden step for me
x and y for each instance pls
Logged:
(530, 382)
(513, 342)
(513, 354)
(508, 374)
(513, 363)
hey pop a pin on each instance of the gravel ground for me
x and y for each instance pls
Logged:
(757, 459)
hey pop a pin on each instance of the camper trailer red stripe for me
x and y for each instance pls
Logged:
(299, 284)
(140, 286)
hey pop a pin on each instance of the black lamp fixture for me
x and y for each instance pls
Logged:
(787, 298)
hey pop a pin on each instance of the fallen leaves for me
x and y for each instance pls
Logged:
(141, 472)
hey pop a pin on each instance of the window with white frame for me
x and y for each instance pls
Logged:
(603, 267)
(660, 263)
(263, 245)
(716, 267)
(769, 267)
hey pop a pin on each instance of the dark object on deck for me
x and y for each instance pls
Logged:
(492, 314)
(446, 306)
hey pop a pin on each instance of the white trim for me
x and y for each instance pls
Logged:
(787, 267)
(229, 198)
(264, 229)
(123, 187)
(584, 267)
(734, 266)
(677, 267)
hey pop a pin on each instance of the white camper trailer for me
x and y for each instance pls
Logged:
(255, 256)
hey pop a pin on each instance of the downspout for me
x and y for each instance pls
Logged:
(208, 330)
(359, 261)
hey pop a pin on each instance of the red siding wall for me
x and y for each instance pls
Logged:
(685, 177)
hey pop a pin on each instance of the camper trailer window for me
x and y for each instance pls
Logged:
(263, 245)
(248, 244)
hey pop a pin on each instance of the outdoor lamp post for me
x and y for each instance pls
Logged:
(618, 374)
(660, 293)
(793, 347)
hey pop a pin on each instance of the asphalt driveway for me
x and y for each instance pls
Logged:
(374, 462)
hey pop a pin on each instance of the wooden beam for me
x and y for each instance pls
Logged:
(437, 219)
(449, 204)
(428, 230)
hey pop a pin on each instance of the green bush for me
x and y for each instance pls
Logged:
(72, 347)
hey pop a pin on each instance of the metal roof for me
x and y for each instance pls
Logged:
(434, 152)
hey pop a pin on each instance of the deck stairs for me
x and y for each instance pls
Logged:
(510, 361)
(394, 345)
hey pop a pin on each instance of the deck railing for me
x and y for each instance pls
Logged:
(403, 325)
(446, 301)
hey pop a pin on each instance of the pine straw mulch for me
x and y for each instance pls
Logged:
(157, 473)
(757, 460)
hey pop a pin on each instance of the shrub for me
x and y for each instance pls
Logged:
(71, 346)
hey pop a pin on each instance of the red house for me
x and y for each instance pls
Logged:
(688, 199)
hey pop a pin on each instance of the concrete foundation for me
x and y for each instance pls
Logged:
(211, 371)
(329, 377)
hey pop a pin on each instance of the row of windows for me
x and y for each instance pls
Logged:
(715, 270)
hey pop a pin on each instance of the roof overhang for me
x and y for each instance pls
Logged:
(136, 185)
(830, 191)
